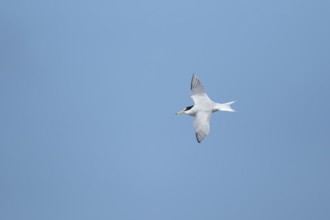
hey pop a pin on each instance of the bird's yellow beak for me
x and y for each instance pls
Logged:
(180, 112)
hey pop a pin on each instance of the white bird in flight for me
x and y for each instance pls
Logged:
(203, 109)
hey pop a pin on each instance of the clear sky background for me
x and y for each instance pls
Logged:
(89, 91)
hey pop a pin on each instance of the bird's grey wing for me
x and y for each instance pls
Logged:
(196, 87)
(202, 124)
(197, 92)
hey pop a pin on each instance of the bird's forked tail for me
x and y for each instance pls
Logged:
(224, 107)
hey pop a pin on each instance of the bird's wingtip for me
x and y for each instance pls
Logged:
(197, 138)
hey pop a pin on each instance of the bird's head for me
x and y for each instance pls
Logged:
(184, 111)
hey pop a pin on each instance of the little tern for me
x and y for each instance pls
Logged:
(202, 109)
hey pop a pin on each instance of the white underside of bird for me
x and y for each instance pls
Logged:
(203, 108)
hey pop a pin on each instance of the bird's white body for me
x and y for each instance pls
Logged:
(210, 105)
(203, 109)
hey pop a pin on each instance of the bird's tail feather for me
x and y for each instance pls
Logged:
(225, 106)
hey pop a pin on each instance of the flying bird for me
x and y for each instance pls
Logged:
(202, 109)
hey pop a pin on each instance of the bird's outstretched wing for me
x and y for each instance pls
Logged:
(197, 87)
(202, 124)
(197, 92)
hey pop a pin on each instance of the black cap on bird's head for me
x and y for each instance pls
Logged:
(188, 108)
(184, 110)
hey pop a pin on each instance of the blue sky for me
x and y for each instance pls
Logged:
(89, 91)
